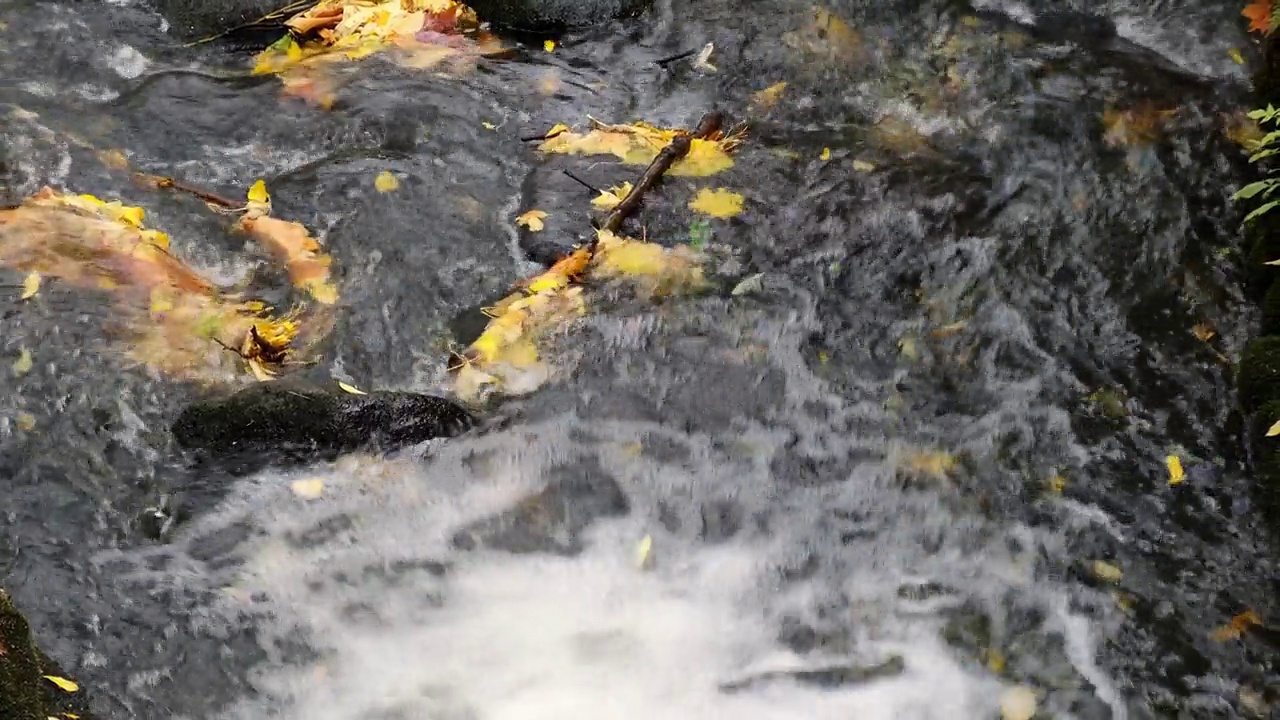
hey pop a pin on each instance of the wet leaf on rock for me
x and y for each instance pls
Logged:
(718, 203)
(1274, 430)
(23, 364)
(309, 488)
(639, 143)
(1107, 572)
(768, 97)
(1239, 625)
(644, 553)
(532, 219)
(1018, 703)
(352, 389)
(1174, 465)
(386, 182)
(609, 199)
(63, 684)
(30, 285)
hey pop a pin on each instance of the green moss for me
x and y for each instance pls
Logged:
(21, 697)
(1259, 375)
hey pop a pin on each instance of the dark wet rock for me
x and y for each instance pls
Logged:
(1271, 310)
(826, 677)
(1259, 374)
(204, 18)
(25, 694)
(553, 519)
(302, 416)
(551, 15)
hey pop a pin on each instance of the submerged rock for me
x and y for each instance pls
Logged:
(553, 519)
(26, 693)
(551, 15)
(299, 415)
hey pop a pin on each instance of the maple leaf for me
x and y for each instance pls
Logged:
(1259, 14)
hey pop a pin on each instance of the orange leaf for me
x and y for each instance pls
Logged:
(1259, 14)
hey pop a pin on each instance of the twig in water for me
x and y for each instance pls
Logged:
(678, 56)
(673, 152)
(544, 136)
(582, 182)
(168, 183)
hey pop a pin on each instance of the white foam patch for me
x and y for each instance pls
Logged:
(128, 62)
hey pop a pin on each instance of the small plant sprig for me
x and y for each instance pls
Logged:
(1264, 148)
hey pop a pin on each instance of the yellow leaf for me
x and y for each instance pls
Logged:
(556, 130)
(769, 96)
(1204, 332)
(1107, 572)
(703, 61)
(1057, 484)
(26, 422)
(995, 661)
(62, 683)
(1236, 55)
(114, 159)
(718, 203)
(31, 286)
(23, 364)
(549, 45)
(351, 389)
(532, 220)
(640, 143)
(1239, 625)
(1018, 703)
(1174, 463)
(609, 199)
(386, 182)
(258, 192)
(826, 154)
(310, 488)
(1274, 430)
(644, 553)
(937, 464)
(863, 166)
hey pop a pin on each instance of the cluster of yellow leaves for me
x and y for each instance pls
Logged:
(177, 321)
(505, 355)
(639, 143)
(423, 34)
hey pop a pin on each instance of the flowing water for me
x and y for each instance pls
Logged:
(876, 487)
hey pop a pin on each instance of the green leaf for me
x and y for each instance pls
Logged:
(1258, 213)
(1263, 154)
(1252, 189)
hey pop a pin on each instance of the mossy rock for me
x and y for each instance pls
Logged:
(1258, 379)
(25, 693)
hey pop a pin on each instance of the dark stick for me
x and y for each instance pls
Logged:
(678, 56)
(174, 184)
(670, 154)
(533, 138)
(581, 182)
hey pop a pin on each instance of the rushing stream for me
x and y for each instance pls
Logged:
(898, 460)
